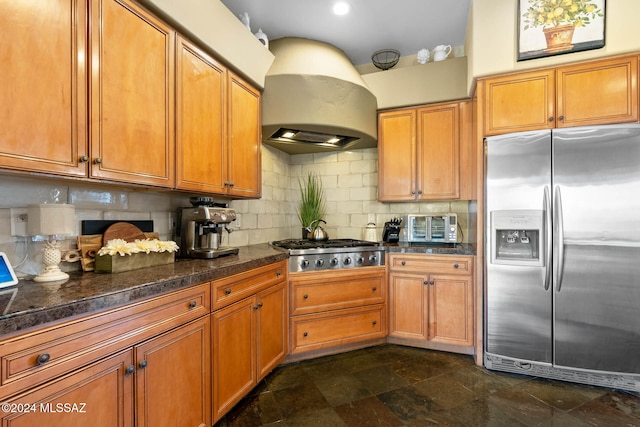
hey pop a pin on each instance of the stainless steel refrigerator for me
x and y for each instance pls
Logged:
(562, 269)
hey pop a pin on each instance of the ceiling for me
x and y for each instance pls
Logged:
(404, 25)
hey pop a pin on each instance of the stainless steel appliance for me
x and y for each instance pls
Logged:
(307, 255)
(562, 267)
(200, 231)
(431, 228)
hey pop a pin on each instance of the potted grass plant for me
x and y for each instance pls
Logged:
(312, 206)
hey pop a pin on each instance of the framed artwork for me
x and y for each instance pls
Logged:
(556, 27)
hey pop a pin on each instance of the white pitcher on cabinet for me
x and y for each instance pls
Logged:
(441, 52)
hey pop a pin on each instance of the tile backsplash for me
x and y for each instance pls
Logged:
(349, 179)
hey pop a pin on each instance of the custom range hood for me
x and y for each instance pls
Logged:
(314, 100)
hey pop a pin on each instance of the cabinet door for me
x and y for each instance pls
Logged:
(234, 372)
(397, 155)
(173, 377)
(519, 102)
(132, 95)
(272, 328)
(451, 309)
(408, 306)
(100, 395)
(200, 121)
(438, 152)
(43, 98)
(598, 92)
(244, 139)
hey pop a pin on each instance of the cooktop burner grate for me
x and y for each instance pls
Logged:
(312, 244)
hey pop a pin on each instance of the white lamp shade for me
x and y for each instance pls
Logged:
(51, 219)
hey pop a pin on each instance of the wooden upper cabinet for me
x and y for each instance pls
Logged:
(200, 121)
(419, 153)
(244, 139)
(519, 102)
(438, 152)
(132, 95)
(598, 92)
(43, 96)
(397, 155)
(590, 93)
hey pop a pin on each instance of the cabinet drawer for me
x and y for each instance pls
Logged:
(324, 291)
(234, 288)
(450, 264)
(46, 353)
(329, 329)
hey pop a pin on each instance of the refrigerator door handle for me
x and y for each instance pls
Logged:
(557, 212)
(548, 240)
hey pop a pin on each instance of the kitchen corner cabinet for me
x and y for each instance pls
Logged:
(43, 95)
(589, 93)
(431, 301)
(132, 95)
(249, 330)
(142, 364)
(419, 153)
(332, 309)
(217, 128)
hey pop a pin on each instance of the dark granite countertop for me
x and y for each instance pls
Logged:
(438, 249)
(36, 304)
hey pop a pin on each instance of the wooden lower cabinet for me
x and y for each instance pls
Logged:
(431, 301)
(144, 364)
(100, 395)
(330, 309)
(250, 337)
(173, 377)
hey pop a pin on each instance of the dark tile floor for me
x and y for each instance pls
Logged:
(392, 385)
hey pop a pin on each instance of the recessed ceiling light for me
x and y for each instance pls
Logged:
(341, 8)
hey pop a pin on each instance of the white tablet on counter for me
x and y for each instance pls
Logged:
(7, 275)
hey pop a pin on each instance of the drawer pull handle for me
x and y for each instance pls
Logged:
(193, 304)
(403, 263)
(455, 266)
(305, 296)
(130, 370)
(143, 364)
(43, 358)
(304, 334)
(227, 291)
(375, 322)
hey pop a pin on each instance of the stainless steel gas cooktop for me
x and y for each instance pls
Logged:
(310, 255)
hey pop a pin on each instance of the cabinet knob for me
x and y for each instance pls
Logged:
(419, 192)
(551, 118)
(375, 322)
(84, 159)
(193, 304)
(43, 358)
(304, 334)
(561, 118)
(97, 160)
(403, 263)
(227, 291)
(278, 273)
(455, 266)
(426, 282)
(130, 370)
(305, 296)
(143, 364)
(413, 193)
(374, 289)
